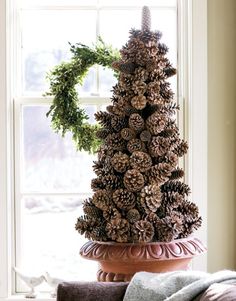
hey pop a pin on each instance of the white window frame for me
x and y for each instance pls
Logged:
(193, 100)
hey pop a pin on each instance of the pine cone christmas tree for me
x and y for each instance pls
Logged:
(138, 195)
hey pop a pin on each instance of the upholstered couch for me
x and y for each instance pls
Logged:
(112, 291)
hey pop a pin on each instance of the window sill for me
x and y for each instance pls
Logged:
(20, 297)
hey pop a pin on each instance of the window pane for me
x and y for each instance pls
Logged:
(51, 163)
(45, 44)
(106, 81)
(49, 239)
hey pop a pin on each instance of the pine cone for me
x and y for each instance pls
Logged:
(159, 146)
(91, 210)
(103, 133)
(118, 230)
(103, 167)
(111, 213)
(150, 198)
(169, 71)
(104, 151)
(96, 184)
(127, 68)
(139, 87)
(136, 122)
(151, 65)
(81, 225)
(98, 233)
(120, 162)
(129, 110)
(177, 223)
(146, 19)
(159, 173)
(176, 174)
(115, 142)
(164, 230)
(139, 102)
(118, 110)
(172, 199)
(142, 231)
(163, 49)
(133, 180)
(167, 133)
(171, 158)
(171, 108)
(140, 74)
(133, 216)
(181, 149)
(153, 88)
(140, 161)
(145, 136)
(84, 225)
(165, 92)
(104, 118)
(101, 199)
(190, 211)
(97, 167)
(189, 228)
(111, 182)
(135, 145)
(176, 186)
(124, 199)
(156, 123)
(146, 35)
(152, 217)
(127, 134)
(118, 123)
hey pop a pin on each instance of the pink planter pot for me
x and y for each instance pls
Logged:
(120, 261)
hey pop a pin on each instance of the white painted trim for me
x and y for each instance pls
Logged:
(6, 175)
(93, 100)
(195, 111)
(3, 155)
(19, 297)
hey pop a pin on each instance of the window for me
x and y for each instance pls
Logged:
(49, 182)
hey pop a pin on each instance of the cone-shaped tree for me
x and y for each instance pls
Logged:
(138, 195)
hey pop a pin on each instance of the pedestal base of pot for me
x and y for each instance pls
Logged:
(120, 261)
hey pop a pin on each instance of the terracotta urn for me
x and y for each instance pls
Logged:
(120, 261)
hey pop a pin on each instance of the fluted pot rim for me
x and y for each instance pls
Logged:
(112, 251)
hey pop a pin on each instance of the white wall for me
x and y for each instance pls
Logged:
(221, 134)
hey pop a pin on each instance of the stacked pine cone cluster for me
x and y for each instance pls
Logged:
(138, 195)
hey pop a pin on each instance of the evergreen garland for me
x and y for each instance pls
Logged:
(66, 114)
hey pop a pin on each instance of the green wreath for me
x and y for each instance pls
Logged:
(66, 114)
